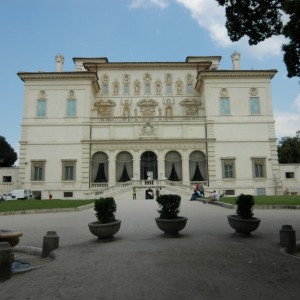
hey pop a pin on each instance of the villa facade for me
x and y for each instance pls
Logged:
(108, 123)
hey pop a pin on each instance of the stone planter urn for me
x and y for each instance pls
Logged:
(10, 236)
(171, 226)
(106, 230)
(241, 225)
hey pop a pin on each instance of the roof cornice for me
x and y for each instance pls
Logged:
(40, 76)
(199, 66)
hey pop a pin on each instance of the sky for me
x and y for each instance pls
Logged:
(33, 32)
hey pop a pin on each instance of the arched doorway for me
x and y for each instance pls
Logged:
(124, 167)
(100, 167)
(148, 164)
(173, 166)
(197, 164)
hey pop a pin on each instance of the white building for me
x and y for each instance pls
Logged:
(180, 123)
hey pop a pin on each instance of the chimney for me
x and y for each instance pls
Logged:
(59, 63)
(235, 57)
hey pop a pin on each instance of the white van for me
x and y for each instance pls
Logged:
(18, 194)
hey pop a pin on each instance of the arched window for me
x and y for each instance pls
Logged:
(124, 167)
(100, 167)
(198, 166)
(173, 166)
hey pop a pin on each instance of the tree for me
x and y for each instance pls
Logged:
(261, 19)
(8, 156)
(289, 149)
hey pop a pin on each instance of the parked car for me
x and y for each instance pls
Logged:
(18, 195)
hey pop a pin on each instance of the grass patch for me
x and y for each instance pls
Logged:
(19, 205)
(268, 200)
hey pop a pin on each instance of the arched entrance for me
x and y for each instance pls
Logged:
(100, 167)
(173, 166)
(198, 170)
(124, 167)
(148, 164)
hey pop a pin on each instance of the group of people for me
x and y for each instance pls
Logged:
(149, 194)
(199, 194)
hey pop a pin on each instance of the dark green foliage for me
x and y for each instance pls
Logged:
(8, 156)
(244, 206)
(105, 209)
(289, 149)
(261, 19)
(169, 206)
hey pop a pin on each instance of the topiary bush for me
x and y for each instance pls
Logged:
(105, 209)
(169, 206)
(244, 206)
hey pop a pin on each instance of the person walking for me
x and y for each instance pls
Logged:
(134, 193)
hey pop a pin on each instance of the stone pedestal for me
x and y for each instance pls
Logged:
(6, 259)
(50, 242)
(10, 236)
(288, 238)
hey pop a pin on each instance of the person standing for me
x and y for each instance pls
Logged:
(134, 193)
(157, 193)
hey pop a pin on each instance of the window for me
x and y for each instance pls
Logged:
(254, 106)
(104, 89)
(168, 88)
(71, 108)
(68, 170)
(289, 175)
(6, 178)
(228, 168)
(189, 88)
(147, 88)
(38, 171)
(259, 167)
(230, 192)
(41, 108)
(126, 88)
(68, 194)
(224, 106)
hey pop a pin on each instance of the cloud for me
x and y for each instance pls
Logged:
(161, 4)
(286, 124)
(211, 17)
(296, 103)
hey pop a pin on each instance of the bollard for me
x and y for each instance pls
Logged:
(6, 259)
(50, 242)
(288, 238)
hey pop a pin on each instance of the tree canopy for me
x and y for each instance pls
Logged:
(8, 156)
(261, 19)
(289, 149)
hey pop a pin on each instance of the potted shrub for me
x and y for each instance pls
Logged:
(169, 221)
(107, 225)
(243, 221)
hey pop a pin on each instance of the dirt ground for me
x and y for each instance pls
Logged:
(207, 261)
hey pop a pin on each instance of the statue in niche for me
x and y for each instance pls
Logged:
(158, 89)
(116, 89)
(179, 88)
(137, 89)
(126, 109)
(169, 111)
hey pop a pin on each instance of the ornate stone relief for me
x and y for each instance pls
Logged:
(126, 78)
(224, 92)
(148, 131)
(189, 78)
(42, 94)
(71, 94)
(105, 79)
(147, 77)
(191, 106)
(168, 78)
(253, 91)
(147, 107)
(105, 108)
